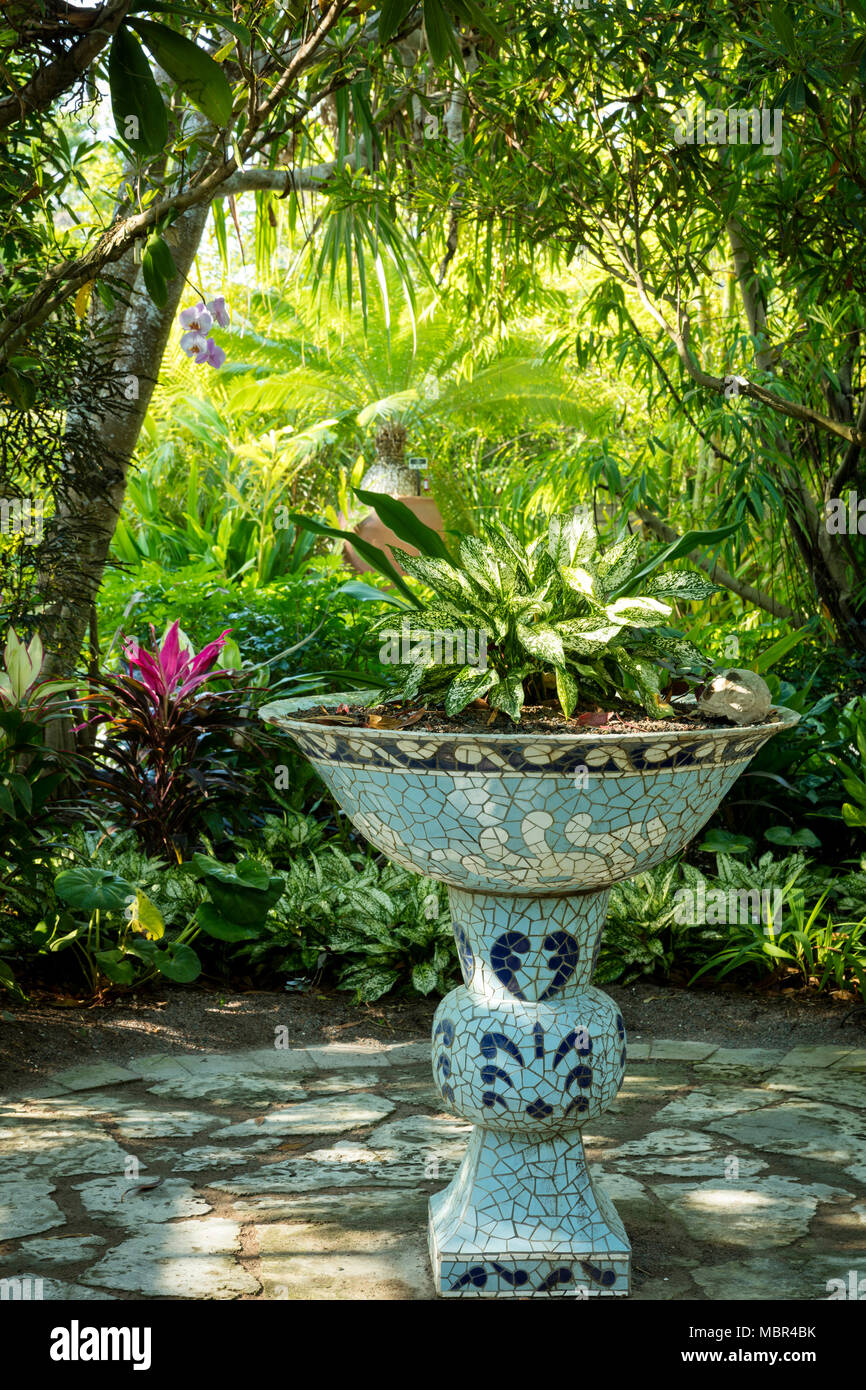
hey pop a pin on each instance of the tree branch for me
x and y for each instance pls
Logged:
(50, 82)
(720, 575)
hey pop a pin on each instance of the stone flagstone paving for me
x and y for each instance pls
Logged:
(305, 1174)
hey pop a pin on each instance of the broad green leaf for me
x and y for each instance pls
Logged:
(179, 963)
(91, 889)
(566, 691)
(147, 918)
(195, 72)
(115, 965)
(774, 653)
(154, 280)
(683, 545)
(639, 612)
(726, 842)
(214, 925)
(681, 584)
(784, 835)
(405, 524)
(376, 558)
(544, 643)
(136, 101)
(469, 684)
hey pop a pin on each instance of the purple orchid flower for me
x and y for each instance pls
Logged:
(220, 313)
(171, 671)
(211, 353)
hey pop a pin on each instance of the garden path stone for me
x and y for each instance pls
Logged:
(179, 1259)
(709, 1103)
(844, 1090)
(229, 1088)
(737, 1212)
(810, 1058)
(61, 1249)
(39, 1286)
(678, 1153)
(131, 1206)
(328, 1116)
(673, 1050)
(304, 1173)
(212, 1157)
(26, 1208)
(63, 1152)
(742, 1058)
(338, 1056)
(88, 1078)
(802, 1127)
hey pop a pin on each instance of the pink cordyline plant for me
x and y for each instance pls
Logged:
(171, 671)
(198, 321)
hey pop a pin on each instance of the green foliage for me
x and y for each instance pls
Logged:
(559, 606)
(641, 936)
(376, 928)
(300, 625)
(852, 763)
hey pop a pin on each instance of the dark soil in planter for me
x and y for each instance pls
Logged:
(478, 718)
(54, 1032)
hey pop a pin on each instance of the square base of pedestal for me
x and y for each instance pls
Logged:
(524, 1220)
(529, 1274)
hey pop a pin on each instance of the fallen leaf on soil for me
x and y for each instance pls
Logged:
(594, 717)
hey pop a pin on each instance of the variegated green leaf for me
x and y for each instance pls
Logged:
(675, 649)
(639, 611)
(682, 584)
(583, 581)
(566, 691)
(619, 562)
(586, 635)
(570, 535)
(469, 684)
(647, 677)
(491, 572)
(508, 695)
(506, 545)
(443, 578)
(542, 642)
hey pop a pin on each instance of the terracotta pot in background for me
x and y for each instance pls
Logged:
(377, 533)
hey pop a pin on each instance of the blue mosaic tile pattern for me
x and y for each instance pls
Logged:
(526, 1046)
(509, 813)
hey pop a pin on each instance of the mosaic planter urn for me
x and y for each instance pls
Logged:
(528, 832)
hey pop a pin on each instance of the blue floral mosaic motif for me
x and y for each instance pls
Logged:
(506, 957)
(563, 959)
(465, 954)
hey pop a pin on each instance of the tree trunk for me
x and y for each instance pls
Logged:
(83, 526)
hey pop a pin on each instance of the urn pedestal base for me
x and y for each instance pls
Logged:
(525, 1220)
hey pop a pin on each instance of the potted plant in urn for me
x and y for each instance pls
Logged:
(539, 743)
